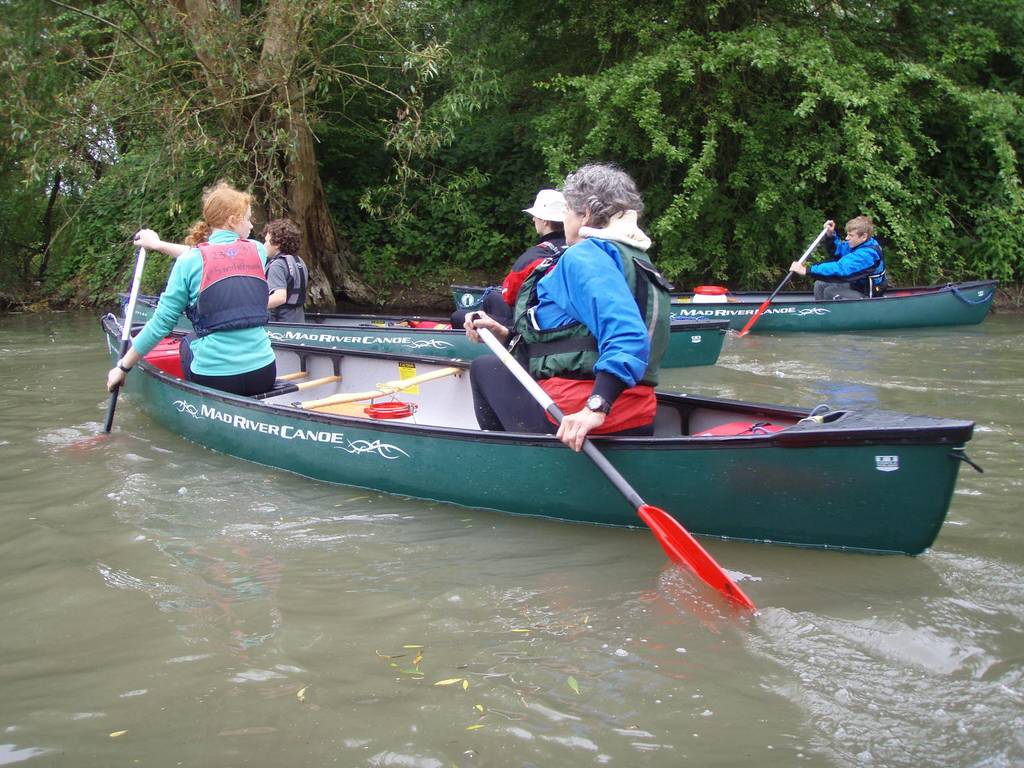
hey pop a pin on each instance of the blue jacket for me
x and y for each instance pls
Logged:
(849, 265)
(589, 287)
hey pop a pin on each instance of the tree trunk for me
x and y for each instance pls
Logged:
(331, 261)
(48, 229)
(300, 191)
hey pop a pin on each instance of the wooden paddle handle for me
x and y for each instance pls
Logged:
(399, 384)
(387, 388)
(348, 397)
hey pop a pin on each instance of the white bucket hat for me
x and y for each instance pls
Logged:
(549, 205)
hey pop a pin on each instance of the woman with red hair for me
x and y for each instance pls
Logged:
(220, 285)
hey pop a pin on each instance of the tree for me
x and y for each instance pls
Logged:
(746, 125)
(237, 86)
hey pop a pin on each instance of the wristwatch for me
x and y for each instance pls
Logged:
(599, 404)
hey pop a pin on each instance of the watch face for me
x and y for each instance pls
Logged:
(597, 403)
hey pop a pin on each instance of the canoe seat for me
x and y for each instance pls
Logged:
(280, 388)
(167, 357)
(738, 428)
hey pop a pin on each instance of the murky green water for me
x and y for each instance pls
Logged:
(163, 605)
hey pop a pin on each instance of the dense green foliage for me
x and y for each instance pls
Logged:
(745, 124)
(749, 124)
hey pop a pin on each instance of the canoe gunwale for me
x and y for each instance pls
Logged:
(323, 320)
(801, 435)
(756, 298)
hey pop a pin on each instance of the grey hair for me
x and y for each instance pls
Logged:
(602, 188)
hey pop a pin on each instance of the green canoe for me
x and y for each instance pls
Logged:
(873, 481)
(919, 307)
(692, 341)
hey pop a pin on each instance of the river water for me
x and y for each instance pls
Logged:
(163, 605)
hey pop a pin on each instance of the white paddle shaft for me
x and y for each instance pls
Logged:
(518, 371)
(129, 312)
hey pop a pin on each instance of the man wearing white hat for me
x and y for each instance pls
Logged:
(548, 212)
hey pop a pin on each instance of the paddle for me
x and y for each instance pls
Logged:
(786, 279)
(673, 537)
(126, 331)
(386, 388)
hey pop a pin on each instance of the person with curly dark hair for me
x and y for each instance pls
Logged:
(287, 275)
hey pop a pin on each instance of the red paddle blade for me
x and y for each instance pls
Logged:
(753, 318)
(683, 548)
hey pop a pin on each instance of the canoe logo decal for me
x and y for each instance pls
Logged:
(384, 450)
(188, 408)
(706, 311)
(334, 338)
(290, 432)
(887, 463)
(695, 339)
(431, 344)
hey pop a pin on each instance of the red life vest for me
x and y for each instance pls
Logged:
(514, 280)
(233, 293)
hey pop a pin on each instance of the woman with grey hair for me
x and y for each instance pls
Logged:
(591, 324)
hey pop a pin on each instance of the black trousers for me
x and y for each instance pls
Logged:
(493, 304)
(246, 384)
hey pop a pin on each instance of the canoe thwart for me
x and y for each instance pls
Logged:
(317, 382)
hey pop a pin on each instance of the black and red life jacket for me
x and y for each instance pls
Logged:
(514, 280)
(233, 293)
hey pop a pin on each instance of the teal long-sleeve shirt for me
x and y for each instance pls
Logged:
(221, 353)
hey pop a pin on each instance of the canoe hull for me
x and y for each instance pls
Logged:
(920, 307)
(885, 494)
(692, 342)
(961, 304)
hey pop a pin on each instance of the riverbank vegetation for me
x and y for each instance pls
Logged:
(406, 136)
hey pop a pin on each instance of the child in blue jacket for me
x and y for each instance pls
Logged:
(855, 269)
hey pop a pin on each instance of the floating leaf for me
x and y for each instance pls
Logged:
(465, 685)
(451, 681)
(571, 682)
(419, 657)
(476, 727)
(520, 630)
(479, 707)
(115, 734)
(413, 646)
(386, 656)
(301, 695)
(411, 671)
